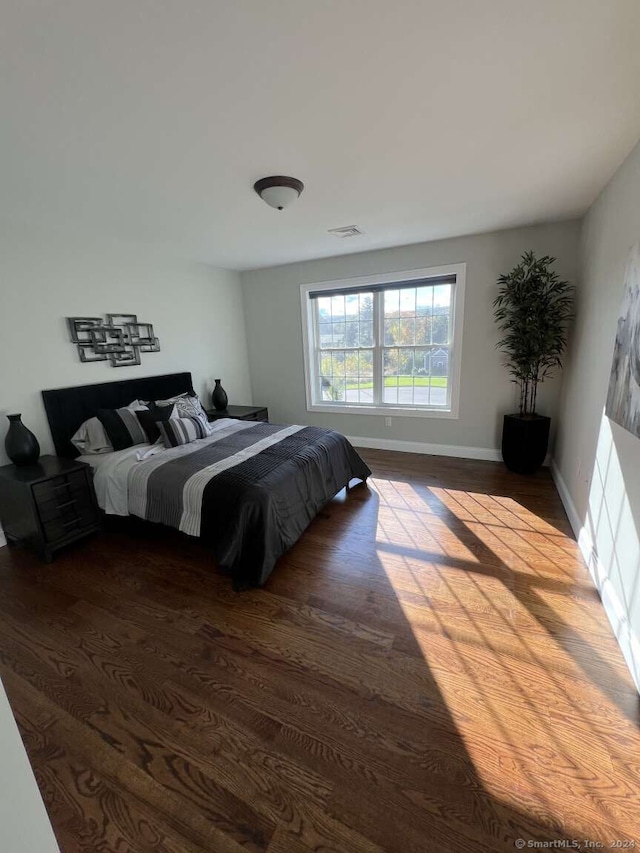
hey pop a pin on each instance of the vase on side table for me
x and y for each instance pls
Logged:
(219, 397)
(20, 443)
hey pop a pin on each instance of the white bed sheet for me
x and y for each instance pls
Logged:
(111, 472)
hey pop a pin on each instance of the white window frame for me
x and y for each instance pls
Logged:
(379, 408)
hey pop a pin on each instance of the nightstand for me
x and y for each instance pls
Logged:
(47, 505)
(240, 413)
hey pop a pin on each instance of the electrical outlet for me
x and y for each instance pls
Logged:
(387, 421)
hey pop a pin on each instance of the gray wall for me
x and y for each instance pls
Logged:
(598, 461)
(272, 316)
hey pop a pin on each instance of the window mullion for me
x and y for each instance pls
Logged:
(378, 340)
(315, 366)
(451, 343)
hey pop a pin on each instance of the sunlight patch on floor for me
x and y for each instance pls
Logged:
(497, 602)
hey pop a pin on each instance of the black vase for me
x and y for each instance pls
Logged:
(524, 442)
(20, 443)
(219, 397)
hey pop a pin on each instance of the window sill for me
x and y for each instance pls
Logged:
(389, 411)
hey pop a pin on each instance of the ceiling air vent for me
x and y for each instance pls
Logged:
(347, 231)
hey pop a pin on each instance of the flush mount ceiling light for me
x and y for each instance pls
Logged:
(278, 191)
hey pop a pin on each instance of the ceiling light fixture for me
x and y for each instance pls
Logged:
(278, 191)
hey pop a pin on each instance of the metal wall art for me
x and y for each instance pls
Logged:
(119, 339)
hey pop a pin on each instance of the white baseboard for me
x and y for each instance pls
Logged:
(567, 501)
(3, 541)
(613, 607)
(489, 454)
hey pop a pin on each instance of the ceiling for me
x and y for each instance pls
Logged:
(415, 119)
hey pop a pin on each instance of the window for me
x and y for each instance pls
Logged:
(385, 343)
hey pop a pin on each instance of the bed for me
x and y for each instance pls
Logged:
(249, 489)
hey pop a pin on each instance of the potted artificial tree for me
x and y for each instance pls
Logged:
(532, 309)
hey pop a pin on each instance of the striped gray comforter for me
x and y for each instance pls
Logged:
(250, 489)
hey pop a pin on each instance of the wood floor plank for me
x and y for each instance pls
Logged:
(428, 669)
(181, 813)
(99, 816)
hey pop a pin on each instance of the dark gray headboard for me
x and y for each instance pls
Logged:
(68, 408)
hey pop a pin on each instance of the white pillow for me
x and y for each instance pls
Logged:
(186, 405)
(137, 406)
(91, 437)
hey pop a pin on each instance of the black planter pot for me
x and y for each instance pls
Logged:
(219, 397)
(524, 442)
(20, 443)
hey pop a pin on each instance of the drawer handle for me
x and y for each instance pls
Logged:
(71, 522)
(67, 503)
(61, 486)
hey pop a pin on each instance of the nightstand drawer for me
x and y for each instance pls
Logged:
(57, 508)
(262, 415)
(60, 528)
(64, 505)
(240, 413)
(61, 488)
(67, 520)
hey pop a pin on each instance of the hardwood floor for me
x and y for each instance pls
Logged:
(429, 669)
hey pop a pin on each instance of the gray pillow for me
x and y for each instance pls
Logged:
(179, 431)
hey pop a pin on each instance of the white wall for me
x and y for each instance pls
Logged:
(44, 277)
(597, 463)
(272, 312)
(24, 823)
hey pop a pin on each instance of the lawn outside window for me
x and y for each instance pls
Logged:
(385, 344)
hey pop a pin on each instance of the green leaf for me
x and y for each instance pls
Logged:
(532, 308)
